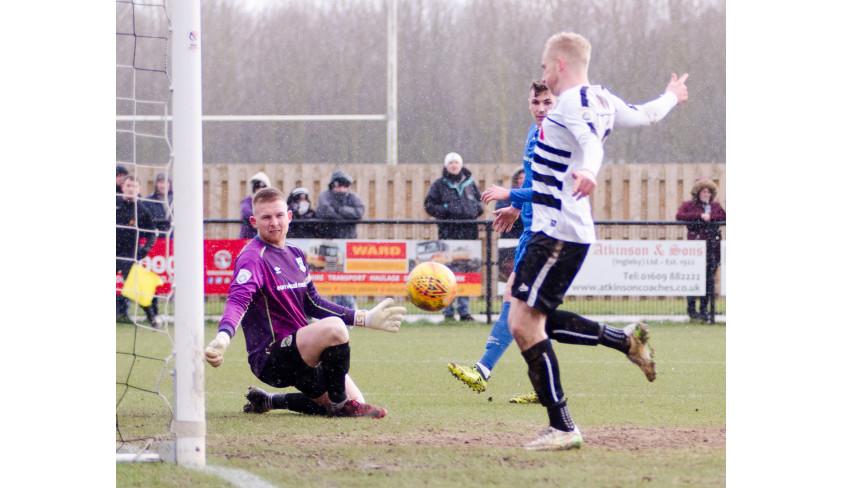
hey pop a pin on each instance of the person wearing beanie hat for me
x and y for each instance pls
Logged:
(121, 173)
(455, 196)
(340, 178)
(340, 204)
(256, 182)
(299, 203)
(455, 158)
(702, 211)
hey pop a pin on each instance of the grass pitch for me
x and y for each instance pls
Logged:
(438, 432)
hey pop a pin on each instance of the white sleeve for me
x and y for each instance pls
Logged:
(643, 115)
(592, 155)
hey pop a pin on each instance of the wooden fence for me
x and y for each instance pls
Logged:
(624, 192)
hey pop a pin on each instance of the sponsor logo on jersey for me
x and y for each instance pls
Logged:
(243, 276)
(290, 286)
(301, 265)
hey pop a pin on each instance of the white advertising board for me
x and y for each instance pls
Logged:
(642, 268)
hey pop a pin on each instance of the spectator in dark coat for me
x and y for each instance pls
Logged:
(134, 224)
(339, 203)
(455, 196)
(702, 210)
(256, 182)
(162, 205)
(342, 205)
(299, 203)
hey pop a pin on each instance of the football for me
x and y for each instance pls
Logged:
(431, 286)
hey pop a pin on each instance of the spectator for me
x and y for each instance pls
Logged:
(343, 205)
(702, 210)
(161, 205)
(121, 173)
(134, 223)
(256, 182)
(122, 302)
(517, 227)
(455, 196)
(299, 203)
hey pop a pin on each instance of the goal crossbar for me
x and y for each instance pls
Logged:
(261, 118)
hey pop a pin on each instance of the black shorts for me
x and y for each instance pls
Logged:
(285, 367)
(547, 270)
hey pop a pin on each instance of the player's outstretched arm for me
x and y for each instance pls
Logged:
(384, 316)
(653, 111)
(216, 349)
(678, 88)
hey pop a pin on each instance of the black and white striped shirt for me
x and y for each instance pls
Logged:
(572, 140)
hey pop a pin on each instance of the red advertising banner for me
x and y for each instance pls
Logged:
(219, 258)
(219, 263)
(160, 262)
(358, 268)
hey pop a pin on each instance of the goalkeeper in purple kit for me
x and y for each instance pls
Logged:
(271, 297)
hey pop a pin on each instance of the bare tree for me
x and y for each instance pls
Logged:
(463, 73)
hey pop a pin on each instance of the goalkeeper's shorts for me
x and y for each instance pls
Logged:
(285, 367)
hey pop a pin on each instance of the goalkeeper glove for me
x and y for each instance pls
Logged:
(216, 349)
(383, 317)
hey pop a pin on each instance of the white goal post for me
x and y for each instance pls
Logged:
(189, 382)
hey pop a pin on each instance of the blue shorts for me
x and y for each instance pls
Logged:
(521, 248)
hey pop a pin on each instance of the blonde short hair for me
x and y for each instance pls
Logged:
(573, 47)
(268, 194)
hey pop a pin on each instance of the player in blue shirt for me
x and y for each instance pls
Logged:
(576, 330)
(476, 376)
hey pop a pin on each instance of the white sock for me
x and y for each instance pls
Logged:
(337, 406)
(486, 372)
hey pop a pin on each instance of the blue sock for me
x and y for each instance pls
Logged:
(499, 339)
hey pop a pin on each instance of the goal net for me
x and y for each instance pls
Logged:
(144, 258)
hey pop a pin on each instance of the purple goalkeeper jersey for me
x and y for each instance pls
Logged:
(271, 296)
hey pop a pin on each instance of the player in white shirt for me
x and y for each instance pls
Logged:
(584, 117)
(568, 157)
